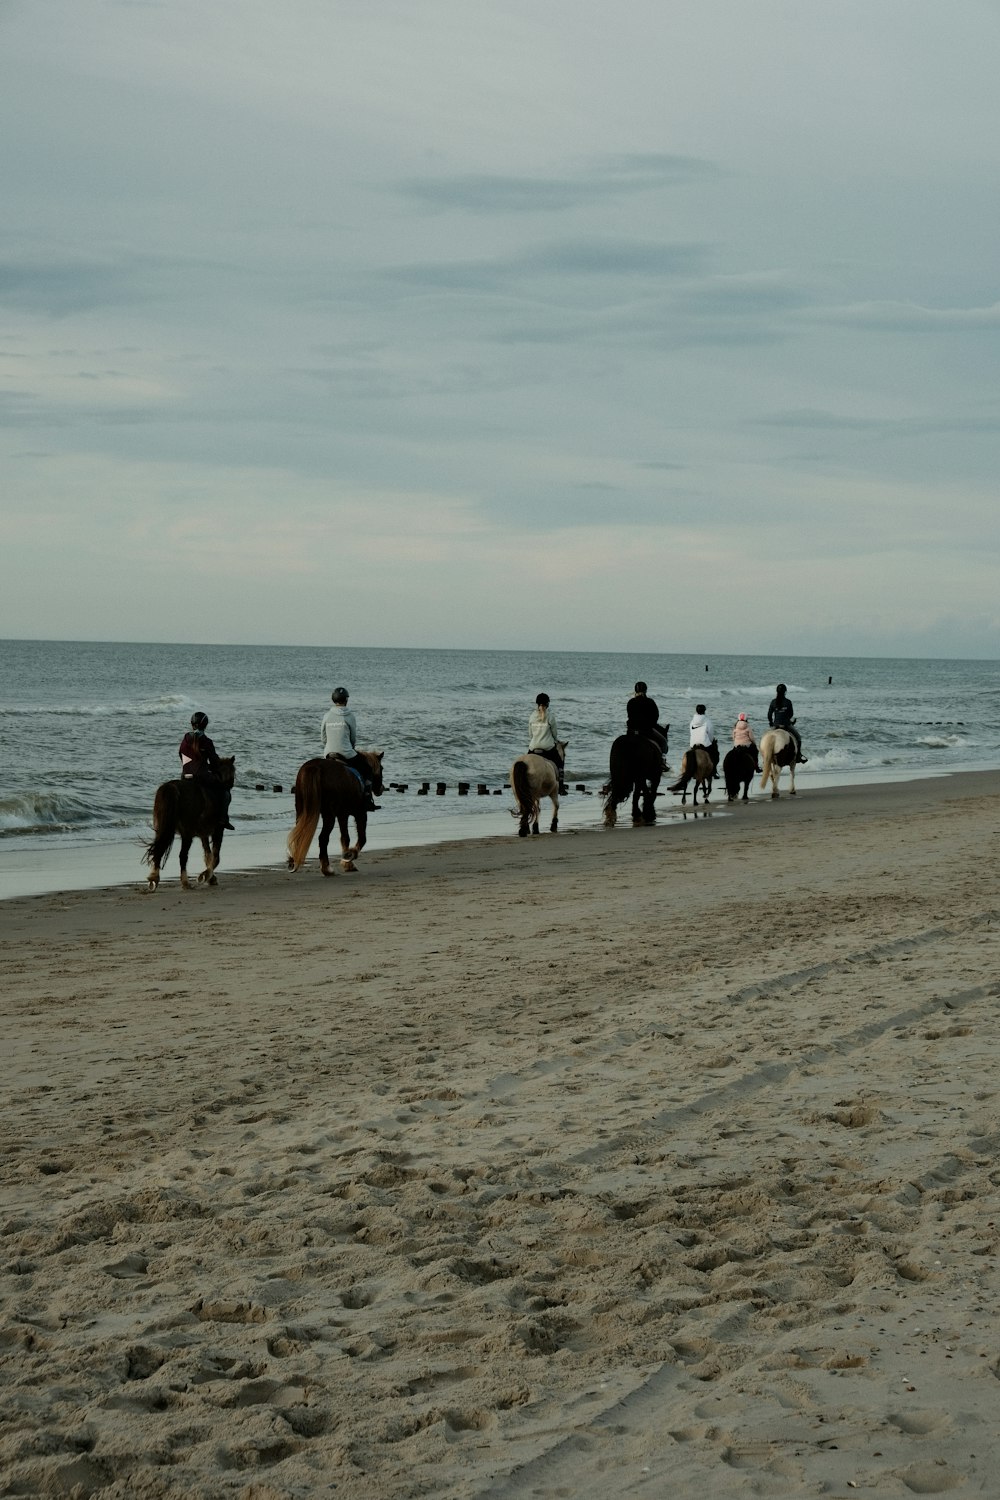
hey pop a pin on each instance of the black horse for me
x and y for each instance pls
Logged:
(192, 808)
(739, 769)
(635, 768)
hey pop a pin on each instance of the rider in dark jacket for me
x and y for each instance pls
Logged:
(781, 715)
(643, 717)
(200, 761)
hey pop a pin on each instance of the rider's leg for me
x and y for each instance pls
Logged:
(364, 770)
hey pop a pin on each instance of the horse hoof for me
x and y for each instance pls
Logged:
(290, 863)
(522, 833)
(348, 866)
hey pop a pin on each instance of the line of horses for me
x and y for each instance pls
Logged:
(327, 792)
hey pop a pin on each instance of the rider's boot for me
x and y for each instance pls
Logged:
(370, 804)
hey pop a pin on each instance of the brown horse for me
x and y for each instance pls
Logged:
(192, 808)
(699, 767)
(326, 788)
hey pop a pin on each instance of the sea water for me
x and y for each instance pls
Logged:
(89, 730)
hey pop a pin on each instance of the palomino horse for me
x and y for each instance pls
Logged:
(739, 768)
(533, 777)
(635, 768)
(192, 808)
(777, 750)
(326, 788)
(699, 767)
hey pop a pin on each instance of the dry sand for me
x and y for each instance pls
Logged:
(650, 1163)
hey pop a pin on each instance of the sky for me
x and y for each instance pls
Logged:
(502, 323)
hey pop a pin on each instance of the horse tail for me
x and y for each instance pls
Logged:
(308, 804)
(767, 755)
(164, 824)
(521, 787)
(621, 775)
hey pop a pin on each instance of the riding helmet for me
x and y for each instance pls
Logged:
(199, 721)
(340, 695)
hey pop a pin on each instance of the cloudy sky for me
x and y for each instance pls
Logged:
(646, 325)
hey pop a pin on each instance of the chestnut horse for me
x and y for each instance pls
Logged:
(326, 788)
(533, 777)
(191, 807)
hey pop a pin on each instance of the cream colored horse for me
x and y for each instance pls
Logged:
(777, 750)
(531, 778)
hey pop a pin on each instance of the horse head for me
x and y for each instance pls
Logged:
(227, 771)
(375, 759)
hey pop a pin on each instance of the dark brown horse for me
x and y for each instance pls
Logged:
(326, 789)
(635, 768)
(739, 769)
(190, 808)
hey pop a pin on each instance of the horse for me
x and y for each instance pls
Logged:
(328, 789)
(635, 767)
(699, 767)
(190, 807)
(777, 750)
(739, 768)
(533, 777)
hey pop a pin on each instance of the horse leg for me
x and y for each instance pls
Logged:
(554, 825)
(360, 834)
(324, 843)
(346, 854)
(211, 860)
(791, 772)
(183, 858)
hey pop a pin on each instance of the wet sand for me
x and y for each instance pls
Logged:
(660, 1161)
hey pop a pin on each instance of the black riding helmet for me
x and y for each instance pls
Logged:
(199, 721)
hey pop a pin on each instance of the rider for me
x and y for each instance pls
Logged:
(644, 718)
(200, 761)
(340, 742)
(702, 732)
(542, 732)
(781, 715)
(743, 739)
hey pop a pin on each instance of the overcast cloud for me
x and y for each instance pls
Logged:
(502, 323)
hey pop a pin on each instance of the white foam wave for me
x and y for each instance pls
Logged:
(44, 811)
(942, 741)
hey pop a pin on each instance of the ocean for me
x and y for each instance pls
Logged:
(88, 730)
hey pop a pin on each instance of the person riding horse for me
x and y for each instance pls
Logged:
(339, 730)
(743, 738)
(643, 717)
(200, 761)
(702, 733)
(542, 733)
(781, 715)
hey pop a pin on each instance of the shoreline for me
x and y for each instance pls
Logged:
(28, 872)
(660, 1161)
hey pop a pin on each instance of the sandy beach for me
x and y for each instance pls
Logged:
(645, 1163)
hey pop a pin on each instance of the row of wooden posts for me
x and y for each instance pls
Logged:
(441, 787)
